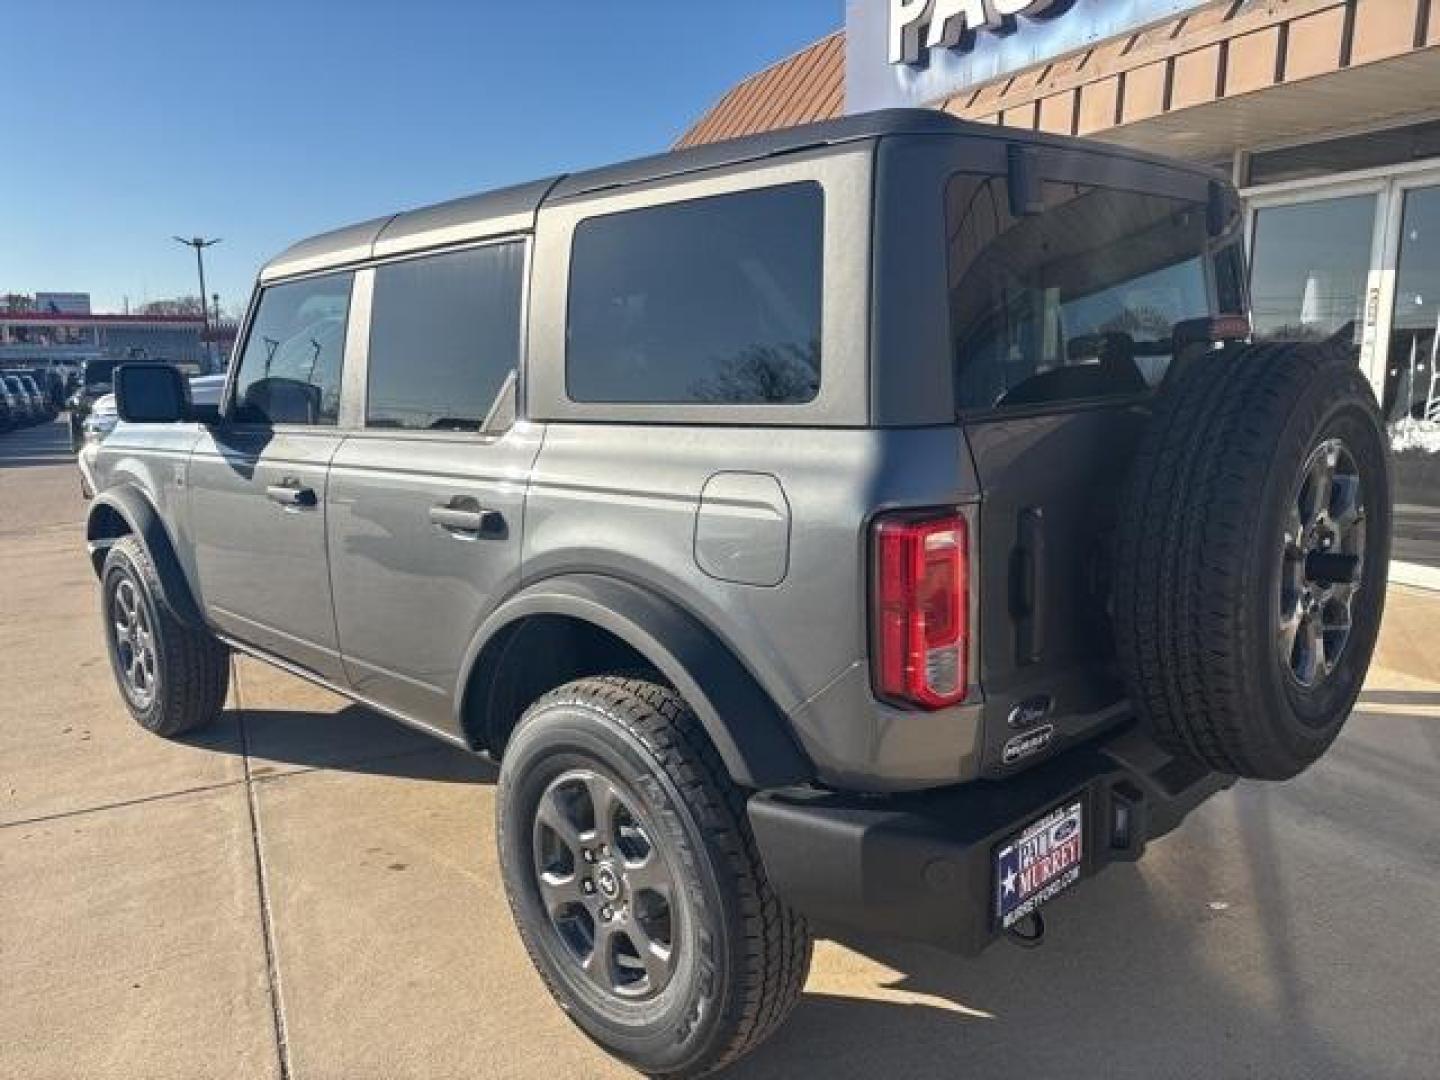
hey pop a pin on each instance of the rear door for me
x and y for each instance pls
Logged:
(1063, 324)
(426, 500)
(257, 478)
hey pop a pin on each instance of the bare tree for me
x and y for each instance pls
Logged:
(764, 373)
(180, 305)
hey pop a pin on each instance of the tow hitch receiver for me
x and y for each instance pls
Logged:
(1029, 932)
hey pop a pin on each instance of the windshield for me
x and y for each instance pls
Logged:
(1080, 301)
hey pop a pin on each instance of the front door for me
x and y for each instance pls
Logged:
(258, 478)
(426, 501)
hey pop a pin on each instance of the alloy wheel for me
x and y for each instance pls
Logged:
(606, 888)
(134, 642)
(1321, 562)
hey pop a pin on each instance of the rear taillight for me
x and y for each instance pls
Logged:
(920, 607)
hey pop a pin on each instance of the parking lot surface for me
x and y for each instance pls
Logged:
(310, 891)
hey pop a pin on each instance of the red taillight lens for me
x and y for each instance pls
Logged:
(921, 610)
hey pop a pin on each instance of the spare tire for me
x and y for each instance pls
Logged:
(1251, 557)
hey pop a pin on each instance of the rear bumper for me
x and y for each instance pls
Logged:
(919, 866)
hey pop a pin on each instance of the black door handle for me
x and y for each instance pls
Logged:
(291, 495)
(467, 517)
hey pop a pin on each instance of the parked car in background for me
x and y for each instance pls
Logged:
(204, 390)
(45, 409)
(24, 407)
(7, 416)
(100, 422)
(94, 384)
(51, 384)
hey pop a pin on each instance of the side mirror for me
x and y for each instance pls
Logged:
(151, 394)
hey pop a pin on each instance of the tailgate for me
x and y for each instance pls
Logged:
(1046, 649)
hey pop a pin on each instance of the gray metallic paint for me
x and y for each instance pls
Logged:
(607, 515)
(261, 567)
(387, 558)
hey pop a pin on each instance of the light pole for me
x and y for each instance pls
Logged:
(199, 243)
(220, 358)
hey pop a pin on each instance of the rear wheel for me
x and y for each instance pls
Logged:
(635, 882)
(173, 677)
(1252, 557)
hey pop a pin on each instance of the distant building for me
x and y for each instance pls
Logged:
(63, 303)
(47, 337)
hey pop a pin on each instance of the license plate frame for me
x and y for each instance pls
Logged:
(1039, 862)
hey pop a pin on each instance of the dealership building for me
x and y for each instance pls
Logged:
(1325, 112)
(59, 330)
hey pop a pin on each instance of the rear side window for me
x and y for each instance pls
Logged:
(290, 369)
(444, 334)
(714, 300)
(1078, 302)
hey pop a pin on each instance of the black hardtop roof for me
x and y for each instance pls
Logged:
(513, 209)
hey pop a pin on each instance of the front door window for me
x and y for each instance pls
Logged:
(1412, 383)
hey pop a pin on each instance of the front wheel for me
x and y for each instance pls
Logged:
(635, 882)
(173, 677)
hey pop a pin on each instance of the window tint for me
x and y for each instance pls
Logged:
(714, 300)
(1078, 302)
(290, 370)
(444, 333)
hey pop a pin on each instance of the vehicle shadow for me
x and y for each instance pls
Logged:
(1126, 986)
(351, 739)
(1239, 947)
(1207, 960)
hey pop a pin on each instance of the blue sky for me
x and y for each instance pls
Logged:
(265, 121)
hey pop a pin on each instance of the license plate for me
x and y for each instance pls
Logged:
(1040, 863)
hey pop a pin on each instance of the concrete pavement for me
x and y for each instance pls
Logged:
(310, 891)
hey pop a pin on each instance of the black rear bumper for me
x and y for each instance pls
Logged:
(919, 866)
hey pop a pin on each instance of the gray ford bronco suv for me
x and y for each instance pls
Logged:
(884, 525)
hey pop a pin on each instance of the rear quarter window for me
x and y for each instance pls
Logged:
(708, 301)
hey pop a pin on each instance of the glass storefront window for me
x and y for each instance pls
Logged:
(1412, 383)
(1310, 265)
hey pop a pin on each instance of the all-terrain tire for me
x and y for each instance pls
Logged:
(743, 955)
(183, 686)
(1199, 571)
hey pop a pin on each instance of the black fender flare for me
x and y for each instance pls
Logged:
(748, 729)
(135, 508)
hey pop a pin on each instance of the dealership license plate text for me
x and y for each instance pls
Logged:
(1041, 862)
